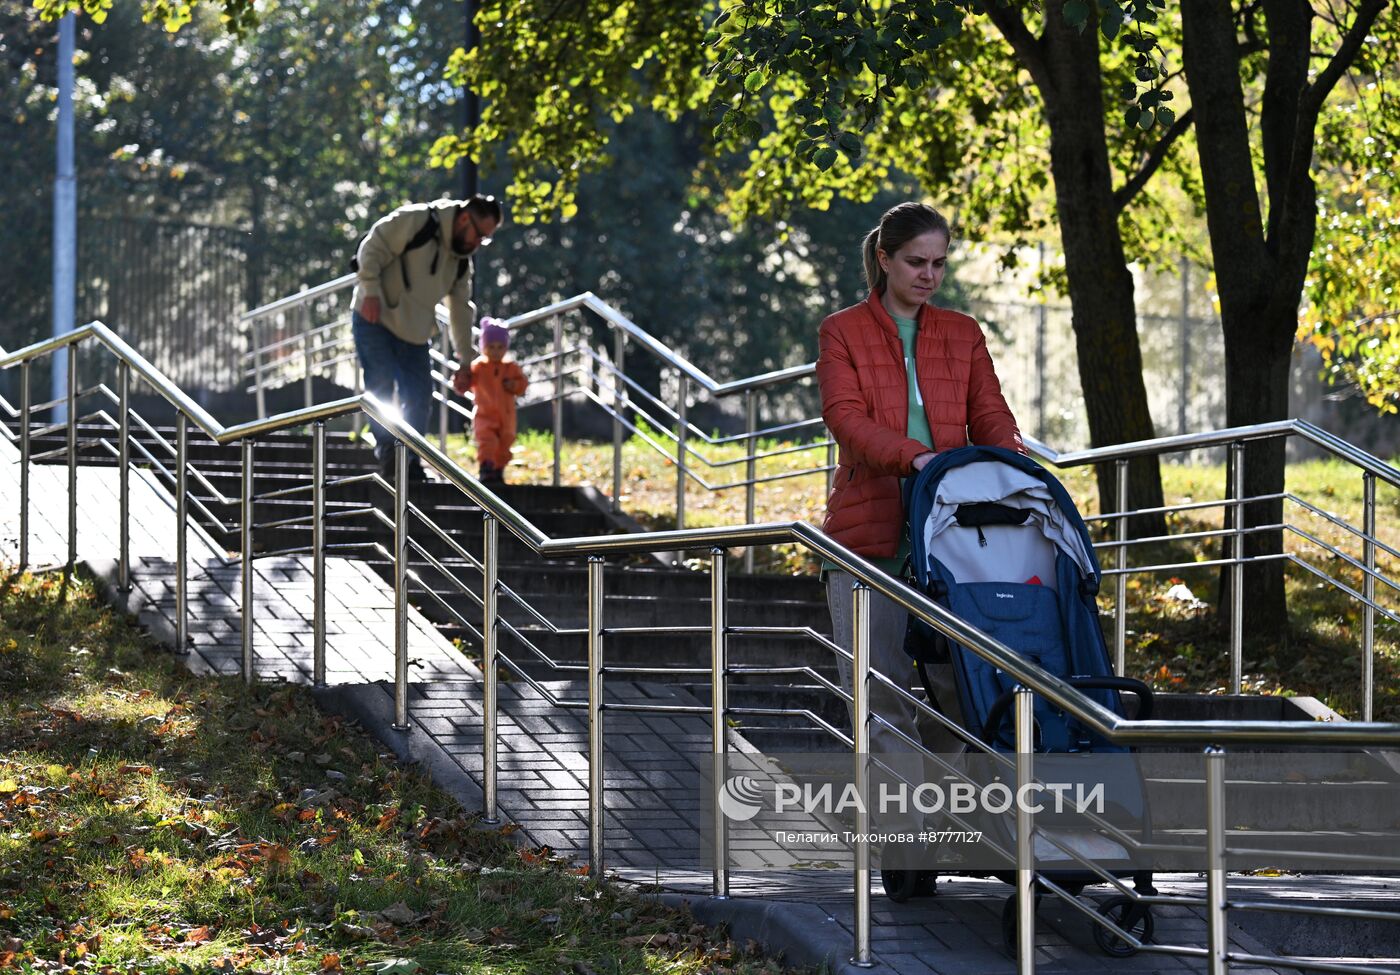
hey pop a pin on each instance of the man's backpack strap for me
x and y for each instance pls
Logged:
(426, 234)
(430, 233)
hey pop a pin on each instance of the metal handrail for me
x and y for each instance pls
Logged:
(335, 284)
(684, 454)
(1097, 717)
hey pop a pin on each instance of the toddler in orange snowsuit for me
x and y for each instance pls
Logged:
(495, 384)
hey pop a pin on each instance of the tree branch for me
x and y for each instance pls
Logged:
(1125, 193)
(1310, 105)
(1027, 46)
(1293, 230)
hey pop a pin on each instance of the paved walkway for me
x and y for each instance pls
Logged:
(654, 822)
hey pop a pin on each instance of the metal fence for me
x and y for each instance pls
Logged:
(174, 289)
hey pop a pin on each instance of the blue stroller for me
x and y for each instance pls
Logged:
(996, 540)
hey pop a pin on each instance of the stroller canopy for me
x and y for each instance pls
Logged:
(972, 486)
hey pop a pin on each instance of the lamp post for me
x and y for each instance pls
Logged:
(65, 216)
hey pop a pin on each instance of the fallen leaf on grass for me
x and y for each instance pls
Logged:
(400, 914)
(395, 966)
(357, 931)
(330, 963)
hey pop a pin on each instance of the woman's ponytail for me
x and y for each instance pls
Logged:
(874, 273)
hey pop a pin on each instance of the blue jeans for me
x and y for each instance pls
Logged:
(388, 361)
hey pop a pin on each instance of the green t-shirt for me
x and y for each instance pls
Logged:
(917, 429)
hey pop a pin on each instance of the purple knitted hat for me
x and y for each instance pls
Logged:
(493, 331)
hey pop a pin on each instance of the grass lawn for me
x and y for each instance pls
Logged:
(151, 821)
(1173, 643)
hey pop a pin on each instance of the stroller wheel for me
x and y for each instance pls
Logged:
(1134, 918)
(900, 885)
(1008, 922)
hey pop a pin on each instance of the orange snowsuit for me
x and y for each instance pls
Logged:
(495, 385)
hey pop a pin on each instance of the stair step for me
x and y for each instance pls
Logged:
(1279, 805)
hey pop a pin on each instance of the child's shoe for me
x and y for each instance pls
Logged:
(487, 472)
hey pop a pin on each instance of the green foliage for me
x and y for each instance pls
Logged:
(556, 77)
(1351, 312)
(820, 99)
(1353, 315)
(298, 135)
(849, 63)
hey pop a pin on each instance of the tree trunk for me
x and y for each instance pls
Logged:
(1100, 285)
(1257, 362)
(1260, 267)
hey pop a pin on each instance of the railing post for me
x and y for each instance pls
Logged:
(446, 390)
(400, 586)
(255, 331)
(750, 469)
(490, 574)
(124, 477)
(1120, 606)
(558, 394)
(182, 511)
(595, 716)
(619, 405)
(306, 353)
(830, 463)
(1237, 571)
(1217, 940)
(681, 394)
(860, 726)
(318, 553)
(719, 706)
(24, 397)
(72, 420)
(1041, 315)
(246, 543)
(1025, 824)
(1368, 593)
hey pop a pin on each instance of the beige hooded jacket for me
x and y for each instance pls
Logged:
(430, 270)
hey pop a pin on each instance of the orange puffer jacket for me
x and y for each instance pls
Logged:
(865, 403)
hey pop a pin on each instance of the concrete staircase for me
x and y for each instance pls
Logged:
(650, 593)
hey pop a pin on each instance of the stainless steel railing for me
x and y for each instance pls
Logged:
(304, 345)
(497, 514)
(638, 413)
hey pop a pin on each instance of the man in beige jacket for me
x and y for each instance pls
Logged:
(409, 261)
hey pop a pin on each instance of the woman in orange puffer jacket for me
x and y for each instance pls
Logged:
(899, 380)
